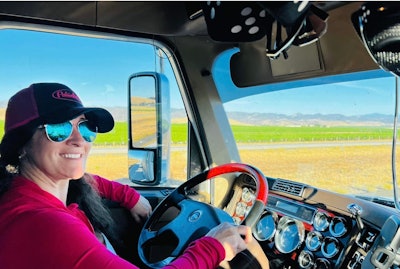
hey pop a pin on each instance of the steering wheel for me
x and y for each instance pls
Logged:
(179, 220)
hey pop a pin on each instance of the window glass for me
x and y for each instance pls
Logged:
(98, 71)
(334, 133)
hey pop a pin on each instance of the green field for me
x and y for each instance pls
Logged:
(259, 134)
(256, 134)
(267, 134)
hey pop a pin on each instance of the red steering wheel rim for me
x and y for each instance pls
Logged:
(262, 194)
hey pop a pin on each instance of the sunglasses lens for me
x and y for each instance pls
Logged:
(58, 132)
(86, 131)
(61, 131)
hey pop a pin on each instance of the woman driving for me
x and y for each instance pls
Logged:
(50, 209)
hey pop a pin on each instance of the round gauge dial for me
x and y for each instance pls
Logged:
(241, 209)
(289, 235)
(330, 247)
(322, 263)
(265, 228)
(313, 240)
(306, 259)
(248, 195)
(338, 226)
(321, 221)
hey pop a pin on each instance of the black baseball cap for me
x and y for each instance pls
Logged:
(52, 103)
(45, 103)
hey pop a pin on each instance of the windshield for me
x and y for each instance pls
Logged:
(333, 133)
(335, 136)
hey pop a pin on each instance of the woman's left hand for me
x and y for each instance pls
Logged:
(142, 210)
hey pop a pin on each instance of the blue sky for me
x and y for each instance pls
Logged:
(84, 65)
(28, 57)
(348, 98)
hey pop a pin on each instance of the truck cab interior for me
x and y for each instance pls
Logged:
(202, 144)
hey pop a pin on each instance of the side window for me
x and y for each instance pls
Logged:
(98, 70)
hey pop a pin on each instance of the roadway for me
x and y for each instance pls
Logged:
(255, 146)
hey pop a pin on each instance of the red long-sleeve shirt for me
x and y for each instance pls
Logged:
(38, 231)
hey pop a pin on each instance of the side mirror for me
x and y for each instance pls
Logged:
(149, 128)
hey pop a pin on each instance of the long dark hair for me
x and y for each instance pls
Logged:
(5, 178)
(82, 192)
(11, 147)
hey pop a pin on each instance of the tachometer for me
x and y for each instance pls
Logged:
(289, 235)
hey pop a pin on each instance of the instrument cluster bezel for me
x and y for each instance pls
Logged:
(319, 240)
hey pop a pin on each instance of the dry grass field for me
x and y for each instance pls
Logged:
(331, 168)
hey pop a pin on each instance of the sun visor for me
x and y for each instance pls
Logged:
(257, 66)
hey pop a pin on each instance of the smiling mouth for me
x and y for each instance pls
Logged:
(72, 156)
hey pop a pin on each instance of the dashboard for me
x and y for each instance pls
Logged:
(305, 227)
(309, 228)
(296, 231)
(312, 237)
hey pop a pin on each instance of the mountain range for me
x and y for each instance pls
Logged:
(276, 119)
(243, 118)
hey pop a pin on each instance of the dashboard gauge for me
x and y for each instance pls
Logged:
(314, 240)
(322, 263)
(244, 205)
(321, 221)
(306, 259)
(265, 228)
(330, 247)
(241, 209)
(248, 195)
(338, 226)
(237, 220)
(289, 235)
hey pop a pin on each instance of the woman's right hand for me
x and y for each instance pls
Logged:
(233, 238)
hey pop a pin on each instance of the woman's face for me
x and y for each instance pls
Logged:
(56, 160)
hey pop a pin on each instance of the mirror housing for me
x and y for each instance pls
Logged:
(149, 130)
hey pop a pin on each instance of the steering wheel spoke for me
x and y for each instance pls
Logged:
(147, 235)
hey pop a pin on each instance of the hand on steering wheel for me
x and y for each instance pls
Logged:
(178, 220)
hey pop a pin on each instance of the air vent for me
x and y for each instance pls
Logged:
(288, 187)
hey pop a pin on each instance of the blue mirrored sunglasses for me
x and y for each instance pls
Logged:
(60, 132)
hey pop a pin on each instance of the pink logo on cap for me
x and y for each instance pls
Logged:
(66, 95)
